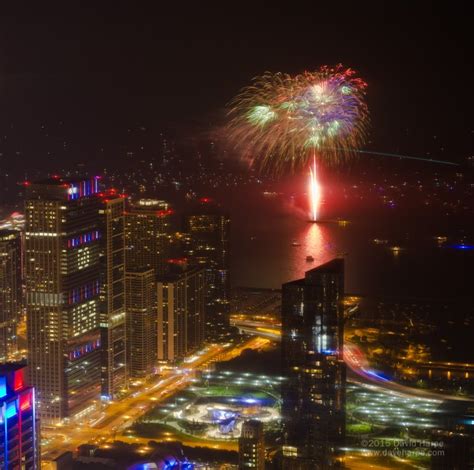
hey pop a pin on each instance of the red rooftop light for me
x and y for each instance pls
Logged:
(205, 200)
(164, 213)
(178, 260)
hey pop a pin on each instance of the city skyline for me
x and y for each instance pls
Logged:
(236, 238)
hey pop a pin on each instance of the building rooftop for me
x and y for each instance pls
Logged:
(9, 367)
(57, 180)
(336, 265)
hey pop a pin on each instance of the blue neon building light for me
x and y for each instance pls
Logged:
(83, 239)
(19, 446)
(3, 386)
(83, 188)
(11, 410)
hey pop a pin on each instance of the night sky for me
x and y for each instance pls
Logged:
(98, 70)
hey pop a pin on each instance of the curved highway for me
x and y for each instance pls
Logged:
(357, 364)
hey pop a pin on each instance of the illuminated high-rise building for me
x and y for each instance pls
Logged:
(313, 406)
(208, 230)
(72, 293)
(252, 446)
(10, 291)
(141, 322)
(19, 437)
(148, 234)
(181, 311)
(452, 436)
(112, 295)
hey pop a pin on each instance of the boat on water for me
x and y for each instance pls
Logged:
(309, 258)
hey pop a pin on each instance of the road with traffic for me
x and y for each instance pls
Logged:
(358, 366)
(108, 424)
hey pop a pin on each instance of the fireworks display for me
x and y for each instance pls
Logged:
(281, 121)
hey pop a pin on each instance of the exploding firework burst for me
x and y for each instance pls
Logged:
(282, 121)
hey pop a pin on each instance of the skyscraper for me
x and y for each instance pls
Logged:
(141, 322)
(148, 234)
(452, 436)
(112, 295)
(181, 312)
(312, 356)
(209, 230)
(70, 285)
(252, 446)
(19, 439)
(10, 291)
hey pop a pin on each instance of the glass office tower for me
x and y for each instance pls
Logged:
(312, 346)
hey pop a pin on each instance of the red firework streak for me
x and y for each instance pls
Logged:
(314, 192)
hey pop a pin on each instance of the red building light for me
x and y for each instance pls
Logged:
(179, 261)
(164, 213)
(25, 401)
(18, 380)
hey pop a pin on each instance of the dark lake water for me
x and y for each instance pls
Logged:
(265, 228)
